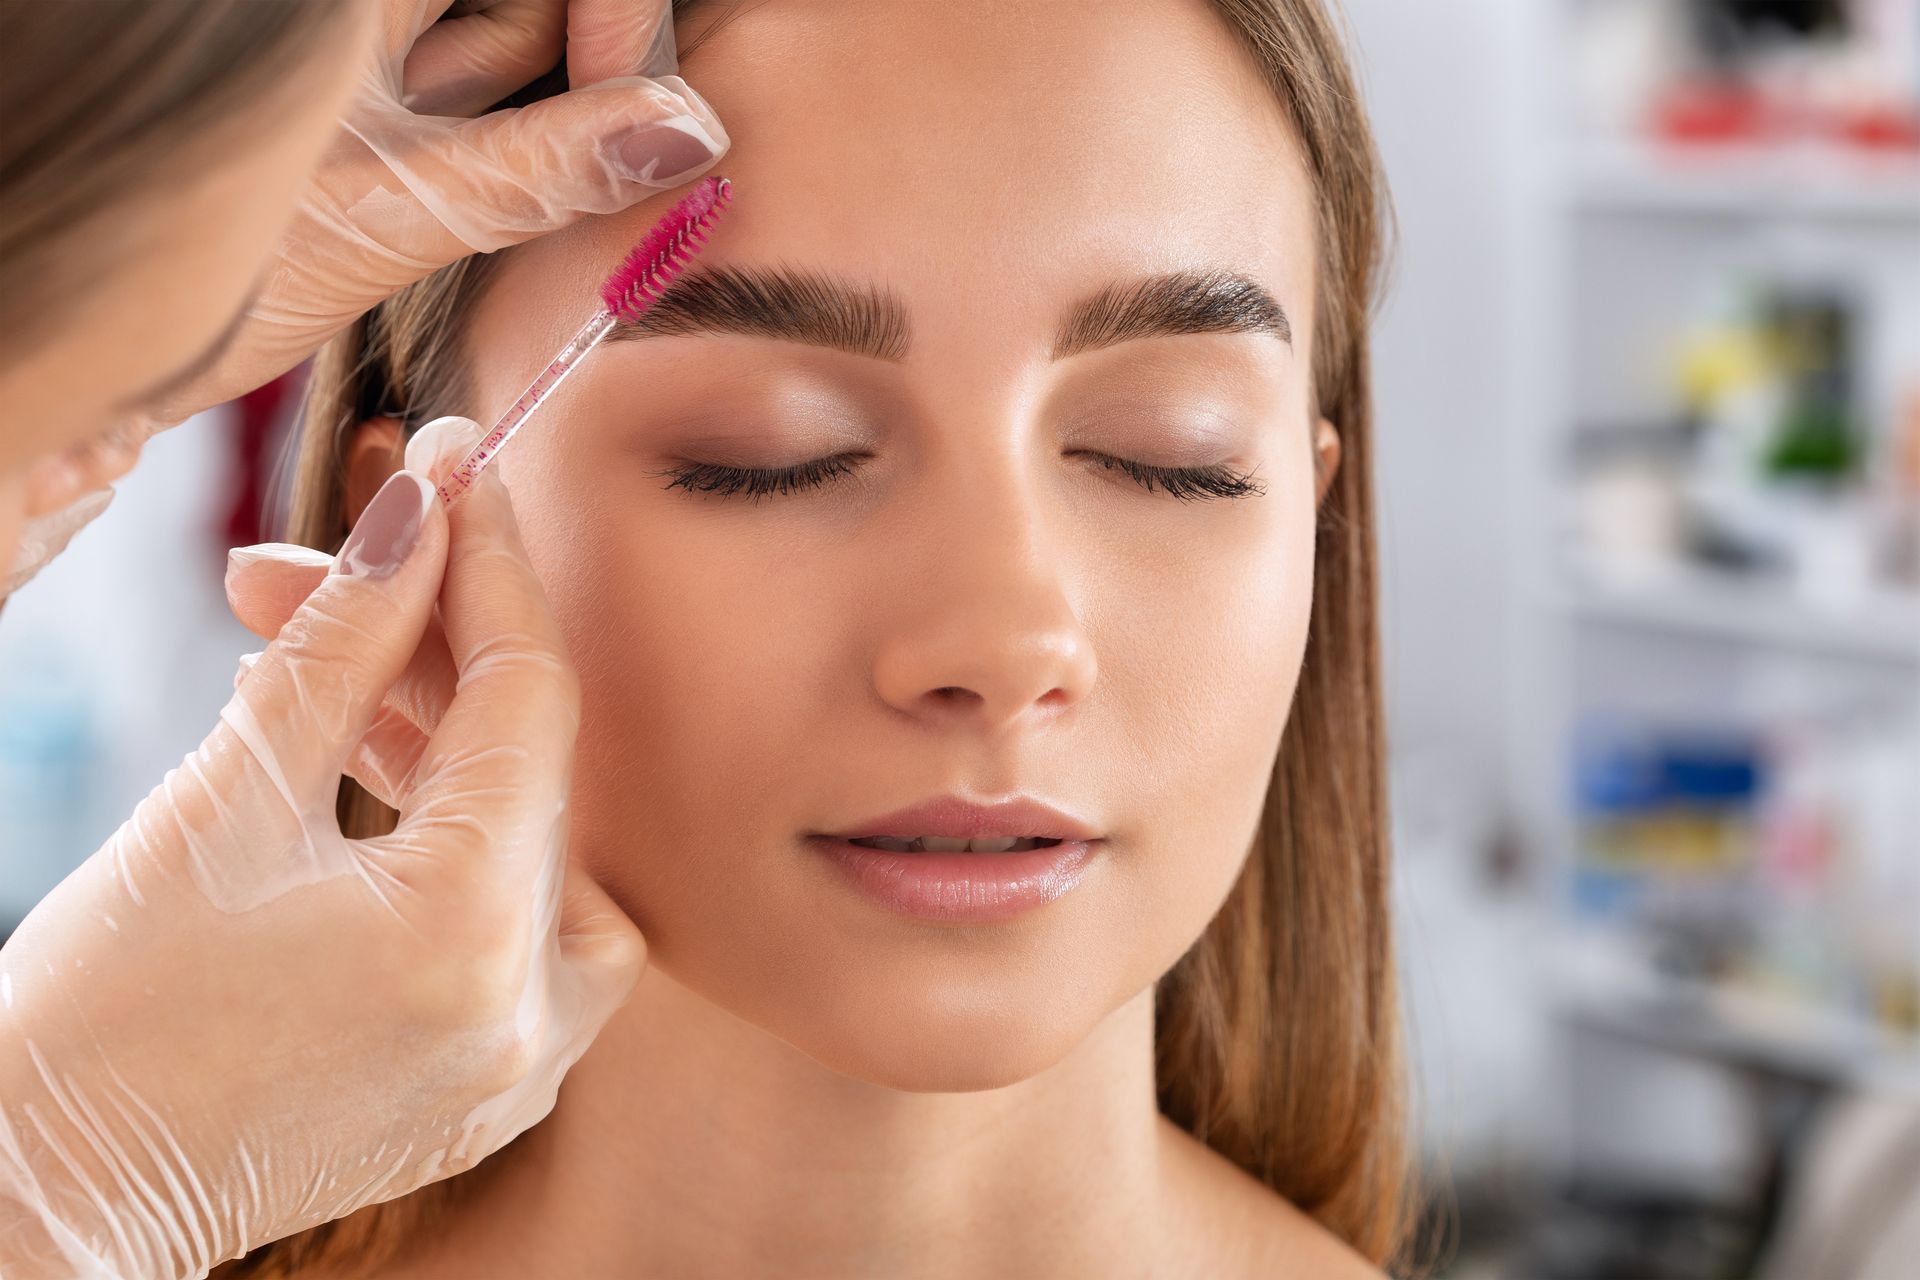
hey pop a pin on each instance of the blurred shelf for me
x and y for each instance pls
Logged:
(1701, 604)
(1747, 183)
(1743, 1028)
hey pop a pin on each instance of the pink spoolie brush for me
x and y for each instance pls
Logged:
(634, 286)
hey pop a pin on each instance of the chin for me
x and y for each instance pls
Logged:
(922, 1050)
(908, 1026)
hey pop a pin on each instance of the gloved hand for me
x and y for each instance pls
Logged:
(232, 1023)
(416, 180)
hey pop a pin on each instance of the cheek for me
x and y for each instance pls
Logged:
(1203, 669)
(699, 659)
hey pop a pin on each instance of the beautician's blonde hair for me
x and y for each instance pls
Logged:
(1278, 1033)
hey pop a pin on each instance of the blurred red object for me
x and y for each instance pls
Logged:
(1882, 128)
(259, 414)
(1715, 112)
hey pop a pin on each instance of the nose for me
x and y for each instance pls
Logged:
(988, 634)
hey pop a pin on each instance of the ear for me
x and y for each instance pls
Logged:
(376, 449)
(1326, 459)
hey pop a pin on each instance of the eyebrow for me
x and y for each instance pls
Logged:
(815, 309)
(184, 376)
(1174, 303)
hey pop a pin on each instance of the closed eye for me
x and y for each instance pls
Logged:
(1189, 484)
(726, 481)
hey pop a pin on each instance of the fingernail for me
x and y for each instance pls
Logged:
(663, 155)
(240, 558)
(240, 673)
(387, 529)
(438, 447)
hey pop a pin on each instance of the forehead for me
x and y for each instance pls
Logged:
(989, 162)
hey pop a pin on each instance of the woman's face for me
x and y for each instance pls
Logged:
(975, 604)
(162, 279)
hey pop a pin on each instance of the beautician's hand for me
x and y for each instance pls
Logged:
(267, 585)
(232, 1022)
(418, 179)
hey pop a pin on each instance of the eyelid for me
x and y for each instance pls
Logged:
(1186, 483)
(715, 479)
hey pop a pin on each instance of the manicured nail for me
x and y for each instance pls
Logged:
(437, 448)
(278, 552)
(664, 155)
(387, 529)
(241, 559)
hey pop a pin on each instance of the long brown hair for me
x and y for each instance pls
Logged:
(1278, 1033)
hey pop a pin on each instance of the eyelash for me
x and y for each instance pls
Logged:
(1188, 484)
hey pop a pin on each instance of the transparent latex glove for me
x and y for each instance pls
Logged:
(418, 178)
(232, 1023)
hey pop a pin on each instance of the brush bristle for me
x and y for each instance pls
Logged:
(638, 282)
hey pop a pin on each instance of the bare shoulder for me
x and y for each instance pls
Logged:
(1244, 1229)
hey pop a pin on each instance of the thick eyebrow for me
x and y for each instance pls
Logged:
(1174, 303)
(777, 302)
(190, 372)
(820, 310)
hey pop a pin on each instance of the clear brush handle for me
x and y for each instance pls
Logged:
(588, 337)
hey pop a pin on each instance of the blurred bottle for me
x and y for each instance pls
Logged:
(1837, 904)
(1666, 820)
(1900, 497)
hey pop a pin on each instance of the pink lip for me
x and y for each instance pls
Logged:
(959, 819)
(960, 888)
(965, 888)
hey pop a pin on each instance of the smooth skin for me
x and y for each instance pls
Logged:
(804, 1084)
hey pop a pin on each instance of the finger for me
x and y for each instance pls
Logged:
(511, 175)
(608, 38)
(403, 22)
(601, 950)
(310, 697)
(267, 584)
(387, 760)
(462, 65)
(495, 774)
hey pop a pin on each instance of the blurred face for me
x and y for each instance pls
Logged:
(163, 279)
(1020, 543)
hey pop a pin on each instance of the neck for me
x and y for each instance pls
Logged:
(690, 1143)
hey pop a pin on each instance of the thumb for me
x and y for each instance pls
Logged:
(600, 947)
(518, 173)
(310, 696)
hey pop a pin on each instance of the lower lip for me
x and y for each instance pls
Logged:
(960, 888)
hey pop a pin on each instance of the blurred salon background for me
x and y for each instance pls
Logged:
(1649, 386)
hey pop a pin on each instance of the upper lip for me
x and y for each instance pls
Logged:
(958, 819)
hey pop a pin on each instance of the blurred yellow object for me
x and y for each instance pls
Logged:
(1898, 1003)
(1714, 362)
